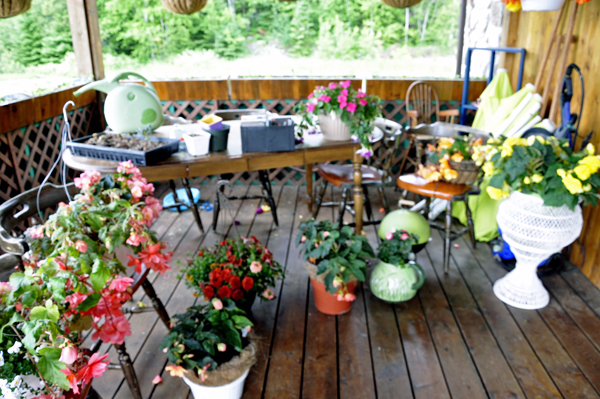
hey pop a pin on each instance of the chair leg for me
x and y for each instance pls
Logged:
(127, 367)
(447, 240)
(193, 206)
(174, 191)
(384, 200)
(263, 176)
(157, 303)
(427, 207)
(367, 202)
(470, 222)
(319, 199)
(343, 206)
(217, 207)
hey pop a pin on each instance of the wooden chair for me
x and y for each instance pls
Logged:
(21, 209)
(445, 191)
(422, 104)
(376, 175)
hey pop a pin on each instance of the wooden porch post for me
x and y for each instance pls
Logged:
(85, 30)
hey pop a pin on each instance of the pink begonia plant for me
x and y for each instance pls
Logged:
(355, 108)
(73, 280)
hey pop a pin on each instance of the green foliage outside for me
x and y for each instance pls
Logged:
(146, 31)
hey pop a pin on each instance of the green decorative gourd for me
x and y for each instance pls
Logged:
(396, 283)
(403, 219)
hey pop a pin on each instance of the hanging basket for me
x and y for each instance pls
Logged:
(401, 3)
(185, 7)
(541, 5)
(12, 8)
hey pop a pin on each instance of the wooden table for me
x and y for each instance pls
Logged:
(181, 165)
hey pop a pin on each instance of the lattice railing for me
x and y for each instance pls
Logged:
(27, 154)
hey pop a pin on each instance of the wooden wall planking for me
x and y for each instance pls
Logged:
(267, 89)
(18, 114)
(531, 30)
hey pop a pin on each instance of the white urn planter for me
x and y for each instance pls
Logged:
(333, 128)
(541, 5)
(233, 390)
(534, 232)
(227, 381)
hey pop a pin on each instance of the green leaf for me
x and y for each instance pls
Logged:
(329, 283)
(209, 347)
(19, 280)
(89, 302)
(32, 332)
(49, 366)
(100, 275)
(56, 286)
(233, 337)
(191, 344)
(50, 268)
(29, 298)
(241, 322)
(497, 181)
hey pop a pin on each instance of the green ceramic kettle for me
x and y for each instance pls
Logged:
(396, 283)
(128, 107)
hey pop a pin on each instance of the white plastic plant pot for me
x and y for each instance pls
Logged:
(333, 128)
(197, 143)
(233, 390)
(541, 5)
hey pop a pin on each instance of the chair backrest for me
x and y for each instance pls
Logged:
(392, 138)
(419, 106)
(20, 209)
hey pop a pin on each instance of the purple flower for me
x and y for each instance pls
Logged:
(365, 152)
(351, 107)
(310, 107)
(345, 84)
(332, 86)
(342, 99)
(343, 105)
(344, 93)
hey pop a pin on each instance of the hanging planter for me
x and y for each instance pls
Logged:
(401, 3)
(12, 8)
(541, 5)
(185, 7)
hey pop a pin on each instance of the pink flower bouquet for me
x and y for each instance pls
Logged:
(356, 108)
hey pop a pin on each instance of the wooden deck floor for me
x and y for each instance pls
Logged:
(454, 339)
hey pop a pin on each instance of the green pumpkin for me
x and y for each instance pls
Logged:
(403, 219)
(396, 283)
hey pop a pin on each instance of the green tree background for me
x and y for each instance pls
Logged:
(144, 30)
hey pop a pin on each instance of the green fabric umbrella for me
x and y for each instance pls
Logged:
(491, 97)
(507, 105)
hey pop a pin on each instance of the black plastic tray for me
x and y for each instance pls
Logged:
(142, 158)
(259, 138)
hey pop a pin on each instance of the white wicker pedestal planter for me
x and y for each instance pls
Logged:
(534, 232)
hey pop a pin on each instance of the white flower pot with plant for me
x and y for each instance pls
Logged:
(342, 113)
(197, 143)
(544, 181)
(210, 349)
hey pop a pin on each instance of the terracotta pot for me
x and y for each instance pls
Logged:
(328, 303)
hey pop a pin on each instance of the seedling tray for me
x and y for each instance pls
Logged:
(141, 158)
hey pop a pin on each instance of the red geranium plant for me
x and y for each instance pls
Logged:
(73, 280)
(236, 269)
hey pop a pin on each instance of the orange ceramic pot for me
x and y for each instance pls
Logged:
(328, 303)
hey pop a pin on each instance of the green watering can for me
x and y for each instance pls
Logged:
(128, 107)
(396, 283)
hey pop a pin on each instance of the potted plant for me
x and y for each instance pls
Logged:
(72, 280)
(210, 349)
(237, 269)
(336, 261)
(197, 143)
(452, 159)
(543, 182)
(396, 278)
(342, 113)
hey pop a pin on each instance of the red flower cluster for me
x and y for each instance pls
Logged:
(226, 284)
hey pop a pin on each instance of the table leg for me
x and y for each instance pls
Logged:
(358, 193)
(193, 206)
(309, 185)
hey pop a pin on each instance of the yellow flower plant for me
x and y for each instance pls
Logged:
(448, 150)
(542, 166)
